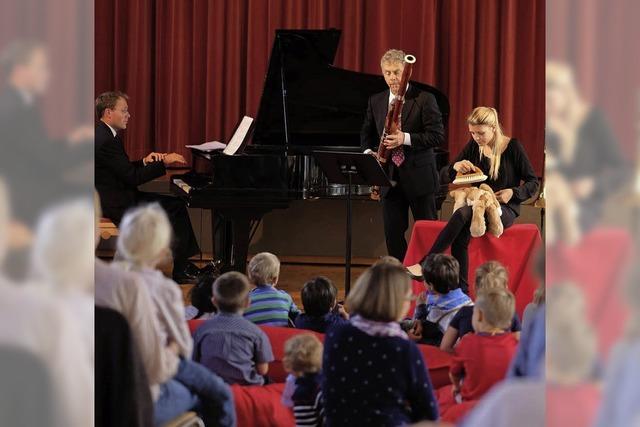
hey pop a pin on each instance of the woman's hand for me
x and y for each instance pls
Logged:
(505, 195)
(464, 166)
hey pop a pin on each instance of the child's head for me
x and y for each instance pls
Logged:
(318, 296)
(381, 293)
(264, 269)
(388, 259)
(302, 354)
(441, 273)
(231, 292)
(145, 235)
(491, 274)
(201, 294)
(493, 309)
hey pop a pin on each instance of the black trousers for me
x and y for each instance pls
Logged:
(184, 243)
(458, 235)
(395, 211)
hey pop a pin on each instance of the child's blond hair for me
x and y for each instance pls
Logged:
(263, 269)
(303, 354)
(497, 306)
(491, 274)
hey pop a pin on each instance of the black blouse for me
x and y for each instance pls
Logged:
(515, 171)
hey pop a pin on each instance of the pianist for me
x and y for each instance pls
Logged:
(117, 180)
(416, 176)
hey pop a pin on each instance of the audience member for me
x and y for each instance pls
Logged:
(303, 360)
(200, 296)
(228, 344)
(321, 310)
(373, 373)
(144, 242)
(482, 359)
(436, 308)
(489, 275)
(269, 306)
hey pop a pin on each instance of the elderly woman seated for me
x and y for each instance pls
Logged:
(143, 244)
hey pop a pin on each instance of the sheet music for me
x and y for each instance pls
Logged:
(209, 146)
(239, 136)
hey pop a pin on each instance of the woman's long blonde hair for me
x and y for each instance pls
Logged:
(488, 116)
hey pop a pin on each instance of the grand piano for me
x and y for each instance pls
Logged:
(307, 104)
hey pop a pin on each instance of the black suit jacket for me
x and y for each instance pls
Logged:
(34, 166)
(422, 119)
(116, 177)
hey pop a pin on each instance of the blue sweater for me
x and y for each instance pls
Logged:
(376, 381)
(319, 324)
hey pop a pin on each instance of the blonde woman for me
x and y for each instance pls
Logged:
(511, 176)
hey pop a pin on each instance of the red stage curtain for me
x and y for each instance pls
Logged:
(194, 68)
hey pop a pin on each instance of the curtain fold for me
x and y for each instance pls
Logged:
(192, 69)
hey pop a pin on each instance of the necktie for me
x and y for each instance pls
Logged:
(397, 156)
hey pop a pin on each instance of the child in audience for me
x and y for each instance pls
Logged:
(269, 306)
(321, 309)
(482, 359)
(303, 361)
(228, 344)
(491, 274)
(373, 374)
(200, 295)
(435, 310)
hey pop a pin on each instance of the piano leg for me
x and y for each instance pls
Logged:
(240, 244)
(236, 237)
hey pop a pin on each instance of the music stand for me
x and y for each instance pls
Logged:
(351, 169)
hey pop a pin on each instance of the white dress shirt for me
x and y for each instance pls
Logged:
(407, 136)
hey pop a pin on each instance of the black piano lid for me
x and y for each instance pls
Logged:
(325, 105)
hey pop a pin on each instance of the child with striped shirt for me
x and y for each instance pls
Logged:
(303, 360)
(269, 306)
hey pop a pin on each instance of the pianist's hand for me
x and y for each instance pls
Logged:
(153, 157)
(174, 158)
(394, 140)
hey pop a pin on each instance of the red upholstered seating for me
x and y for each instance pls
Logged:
(438, 361)
(278, 336)
(260, 406)
(514, 249)
(194, 324)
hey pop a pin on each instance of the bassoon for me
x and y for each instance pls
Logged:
(393, 120)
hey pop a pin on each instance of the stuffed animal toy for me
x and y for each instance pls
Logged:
(484, 204)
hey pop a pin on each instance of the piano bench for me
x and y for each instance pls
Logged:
(108, 229)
